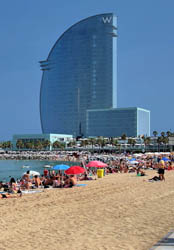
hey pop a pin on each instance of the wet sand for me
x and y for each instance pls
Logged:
(119, 211)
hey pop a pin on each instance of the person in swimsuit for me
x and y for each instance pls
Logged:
(26, 179)
(37, 181)
(12, 186)
(6, 195)
(161, 170)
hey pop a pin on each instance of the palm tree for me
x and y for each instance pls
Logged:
(168, 133)
(19, 144)
(92, 141)
(38, 145)
(9, 144)
(104, 142)
(56, 144)
(84, 143)
(70, 144)
(132, 141)
(123, 137)
(4, 145)
(159, 140)
(46, 144)
(165, 141)
(28, 145)
(147, 141)
(155, 133)
(100, 141)
(162, 134)
(111, 139)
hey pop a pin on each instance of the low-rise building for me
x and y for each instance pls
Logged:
(35, 138)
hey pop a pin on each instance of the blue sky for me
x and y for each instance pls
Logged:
(29, 29)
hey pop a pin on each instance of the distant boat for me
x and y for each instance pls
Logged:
(25, 166)
(47, 166)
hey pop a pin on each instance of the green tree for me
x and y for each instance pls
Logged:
(159, 141)
(28, 145)
(100, 141)
(165, 141)
(162, 134)
(58, 144)
(147, 141)
(9, 144)
(6, 145)
(19, 144)
(123, 137)
(38, 145)
(155, 133)
(115, 142)
(71, 144)
(168, 133)
(92, 142)
(132, 141)
(84, 143)
(46, 144)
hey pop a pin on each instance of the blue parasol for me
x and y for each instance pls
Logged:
(165, 159)
(61, 167)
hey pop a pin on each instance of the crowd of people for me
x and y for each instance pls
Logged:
(58, 179)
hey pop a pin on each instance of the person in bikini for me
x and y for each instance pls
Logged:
(12, 186)
(26, 179)
(37, 181)
(6, 195)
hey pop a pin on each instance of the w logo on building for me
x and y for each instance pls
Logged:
(107, 19)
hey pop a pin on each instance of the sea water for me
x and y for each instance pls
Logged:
(14, 168)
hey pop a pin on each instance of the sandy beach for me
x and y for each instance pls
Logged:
(119, 211)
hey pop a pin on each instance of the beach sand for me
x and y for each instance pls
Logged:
(119, 211)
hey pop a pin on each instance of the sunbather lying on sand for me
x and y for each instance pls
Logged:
(155, 178)
(85, 178)
(140, 172)
(6, 195)
(71, 181)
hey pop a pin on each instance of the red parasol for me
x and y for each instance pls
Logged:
(97, 164)
(74, 170)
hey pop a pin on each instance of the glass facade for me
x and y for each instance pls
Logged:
(78, 93)
(143, 119)
(80, 73)
(115, 122)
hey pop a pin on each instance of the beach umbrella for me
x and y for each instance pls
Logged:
(74, 170)
(97, 164)
(133, 159)
(133, 162)
(165, 159)
(61, 167)
(33, 173)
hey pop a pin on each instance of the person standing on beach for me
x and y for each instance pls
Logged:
(26, 179)
(161, 170)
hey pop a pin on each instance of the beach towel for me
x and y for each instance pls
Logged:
(80, 185)
(31, 191)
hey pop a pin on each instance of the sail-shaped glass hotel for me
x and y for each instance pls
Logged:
(80, 78)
